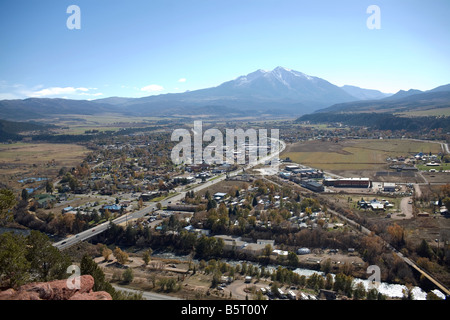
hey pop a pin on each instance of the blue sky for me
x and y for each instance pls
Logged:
(139, 48)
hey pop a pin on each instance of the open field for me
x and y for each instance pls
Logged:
(437, 177)
(19, 160)
(442, 166)
(429, 112)
(354, 154)
(78, 124)
(38, 153)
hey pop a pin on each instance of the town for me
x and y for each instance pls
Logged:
(247, 227)
(225, 158)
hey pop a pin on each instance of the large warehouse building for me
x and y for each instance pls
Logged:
(348, 183)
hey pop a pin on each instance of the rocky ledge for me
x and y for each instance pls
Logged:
(56, 290)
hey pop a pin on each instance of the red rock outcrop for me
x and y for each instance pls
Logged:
(56, 290)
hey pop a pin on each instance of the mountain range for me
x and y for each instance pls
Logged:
(280, 91)
(402, 101)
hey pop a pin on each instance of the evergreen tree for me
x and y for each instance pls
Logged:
(211, 204)
(46, 262)
(360, 292)
(13, 263)
(292, 259)
(48, 187)
(146, 256)
(7, 201)
(372, 294)
(88, 266)
(425, 250)
(128, 275)
(24, 194)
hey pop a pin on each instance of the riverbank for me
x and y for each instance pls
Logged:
(390, 290)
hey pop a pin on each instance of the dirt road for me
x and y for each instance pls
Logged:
(406, 208)
(418, 192)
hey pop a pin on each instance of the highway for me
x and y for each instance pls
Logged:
(147, 295)
(85, 235)
(360, 228)
(82, 236)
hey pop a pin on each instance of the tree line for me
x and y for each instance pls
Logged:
(33, 258)
(380, 121)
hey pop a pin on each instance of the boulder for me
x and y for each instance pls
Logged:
(56, 290)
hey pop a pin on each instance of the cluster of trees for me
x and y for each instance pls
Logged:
(57, 224)
(444, 196)
(9, 130)
(30, 258)
(168, 284)
(33, 258)
(120, 255)
(371, 247)
(143, 237)
(437, 258)
(434, 260)
(7, 202)
(381, 121)
(46, 135)
(342, 283)
(374, 251)
(72, 177)
(89, 266)
(220, 219)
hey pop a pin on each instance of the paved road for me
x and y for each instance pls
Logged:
(445, 148)
(398, 253)
(82, 236)
(147, 295)
(366, 231)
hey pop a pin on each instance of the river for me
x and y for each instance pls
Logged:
(388, 289)
(23, 232)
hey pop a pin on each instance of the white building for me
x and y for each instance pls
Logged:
(389, 187)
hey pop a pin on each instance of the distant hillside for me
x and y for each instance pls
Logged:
(280, 91)
(383, 114)
(403, 94)
(402, 101)
(379, 121)
(445, 87)
(365, 94)
(41, 108)
(9, 130)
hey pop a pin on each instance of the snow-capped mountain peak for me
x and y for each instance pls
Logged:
(283, 72)
(283, 84)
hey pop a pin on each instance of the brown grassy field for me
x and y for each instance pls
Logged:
(354, 154)
(19, 160)
(37, 153)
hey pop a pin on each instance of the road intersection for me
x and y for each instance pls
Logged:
(87, 234)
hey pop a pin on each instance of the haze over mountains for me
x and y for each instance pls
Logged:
(402, 101)
(280, 90)
(276, 92)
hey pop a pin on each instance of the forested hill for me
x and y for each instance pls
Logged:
(9, 130)
(379, 121)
